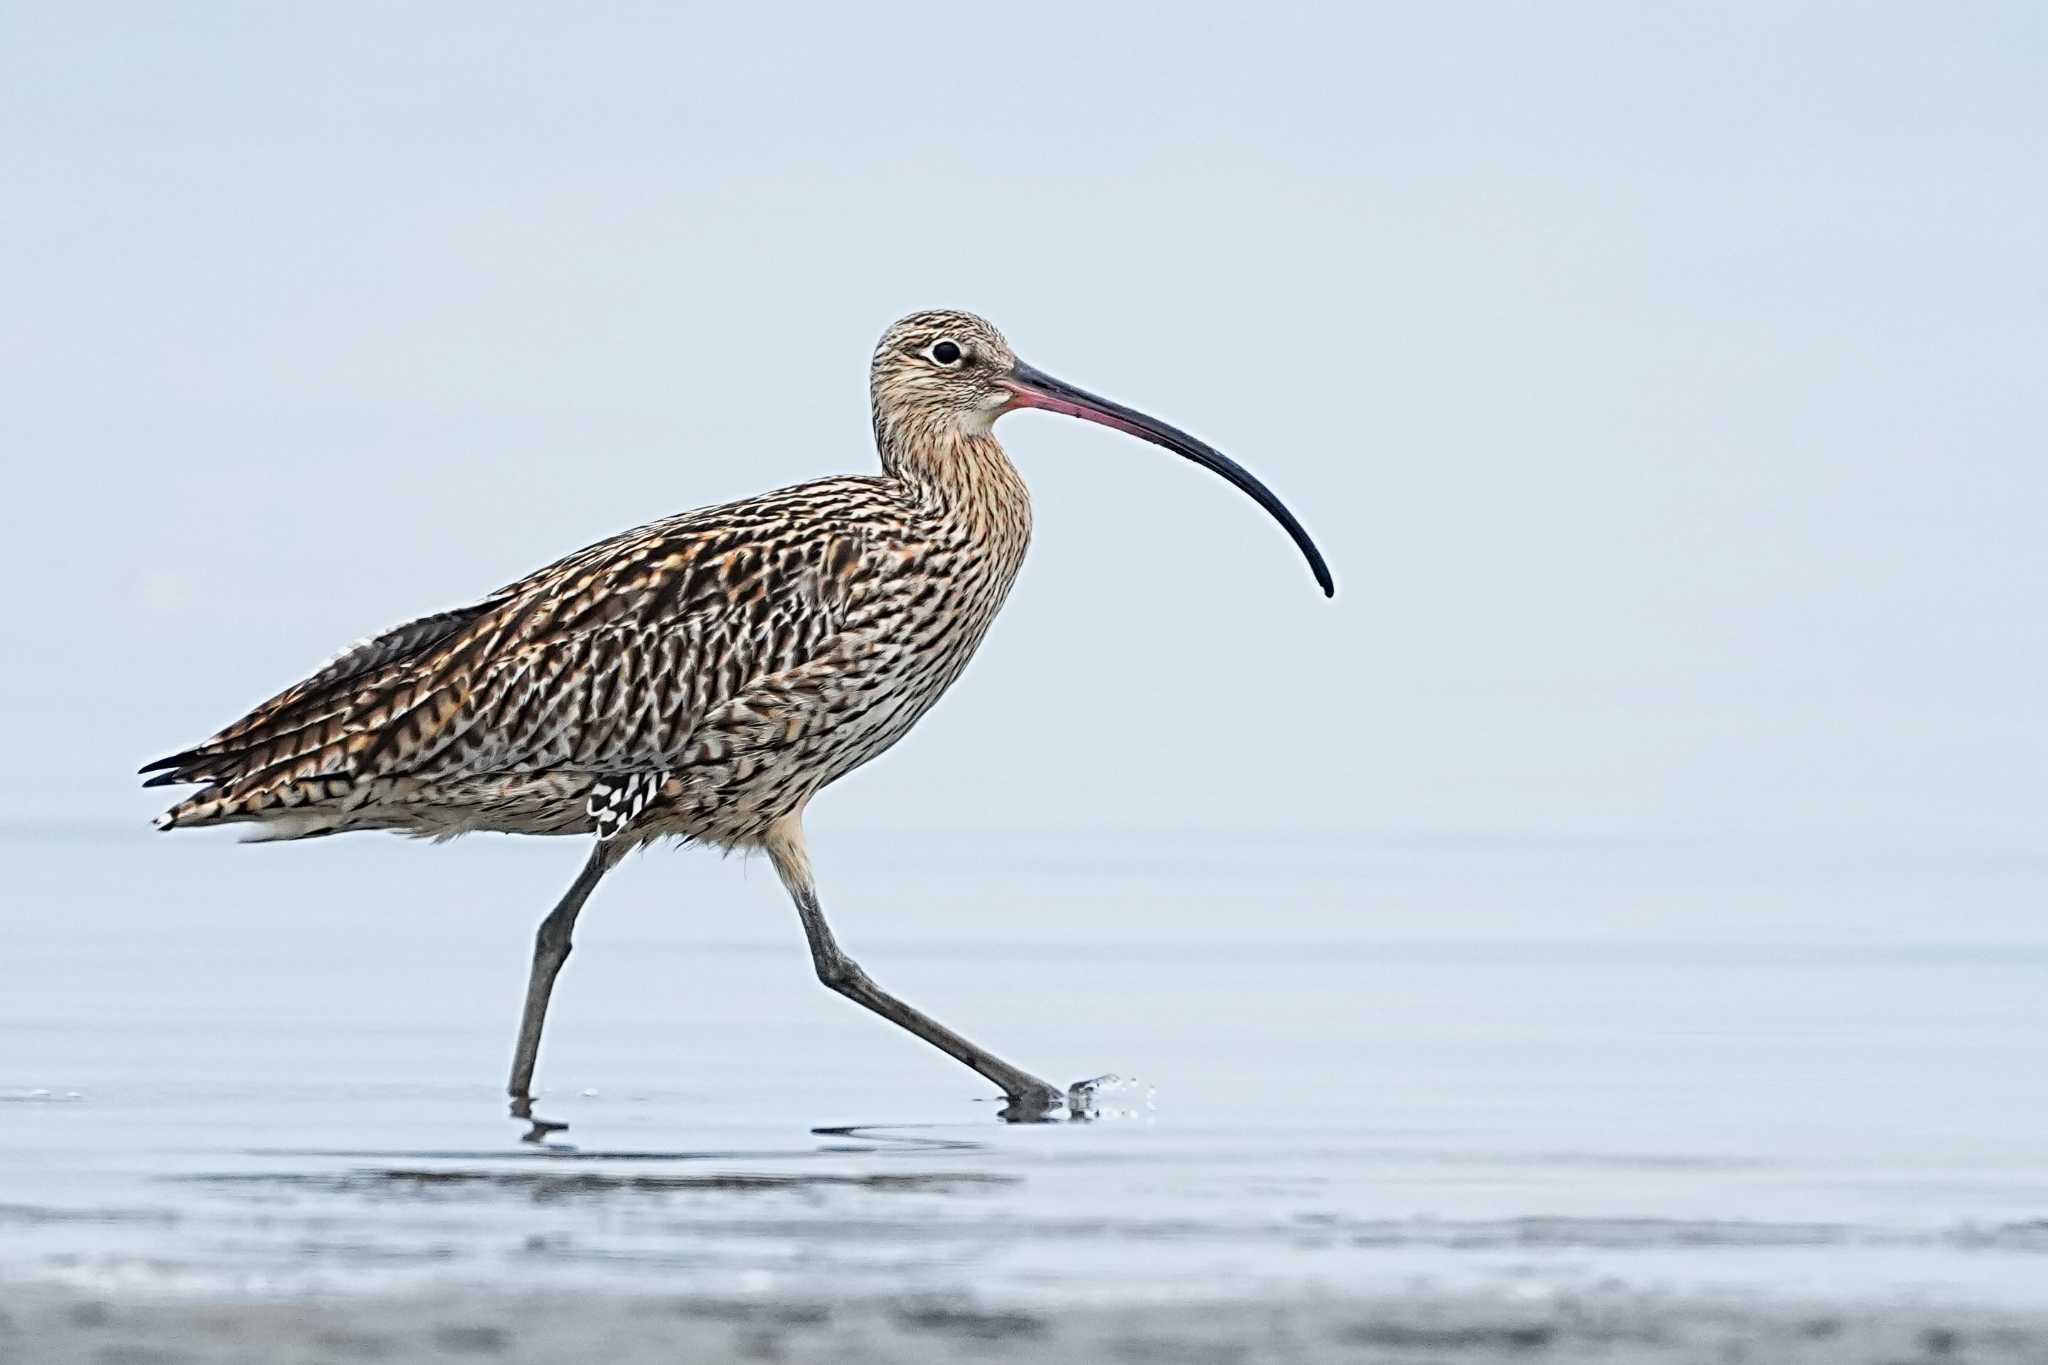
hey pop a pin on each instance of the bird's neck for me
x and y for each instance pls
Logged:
(966, 478)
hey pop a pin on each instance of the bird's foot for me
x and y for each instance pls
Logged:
(539, 1130)
(1108, 1097)
(1041, 1103)
(1084, 1097)
(1033, 1103)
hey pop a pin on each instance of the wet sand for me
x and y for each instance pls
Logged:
(57, 1329)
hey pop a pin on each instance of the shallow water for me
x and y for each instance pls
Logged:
(1365, 1063)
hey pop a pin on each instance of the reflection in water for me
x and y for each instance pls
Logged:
(545, 1185)
(891, 1137)
(1082, 1103)
(865, 1139)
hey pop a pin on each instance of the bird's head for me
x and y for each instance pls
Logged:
(942, 375)
(939, 373)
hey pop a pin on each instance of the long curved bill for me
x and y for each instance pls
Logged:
(1034, 388)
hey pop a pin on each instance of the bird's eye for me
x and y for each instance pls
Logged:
(946, 353)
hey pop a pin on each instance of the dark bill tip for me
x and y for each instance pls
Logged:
(1034, 388)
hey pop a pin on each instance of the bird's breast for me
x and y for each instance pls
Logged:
(914, 625)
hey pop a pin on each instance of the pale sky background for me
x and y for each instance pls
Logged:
(1667, 392)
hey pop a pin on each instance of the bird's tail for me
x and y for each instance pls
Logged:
(283, 810)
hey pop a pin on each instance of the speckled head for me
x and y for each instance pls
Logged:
(943, 376)
(940, 372)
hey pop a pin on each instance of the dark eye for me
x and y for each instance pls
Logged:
(946, 353)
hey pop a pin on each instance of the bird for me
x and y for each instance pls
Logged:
(696, 679)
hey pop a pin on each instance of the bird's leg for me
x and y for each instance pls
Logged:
(550, 950)
(1029, 1097)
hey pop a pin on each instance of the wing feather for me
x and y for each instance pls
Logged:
(603, 662)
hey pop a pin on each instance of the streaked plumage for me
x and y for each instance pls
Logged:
(743, 655)
(701, 676)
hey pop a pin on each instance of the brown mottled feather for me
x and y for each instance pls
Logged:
(732, 659)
